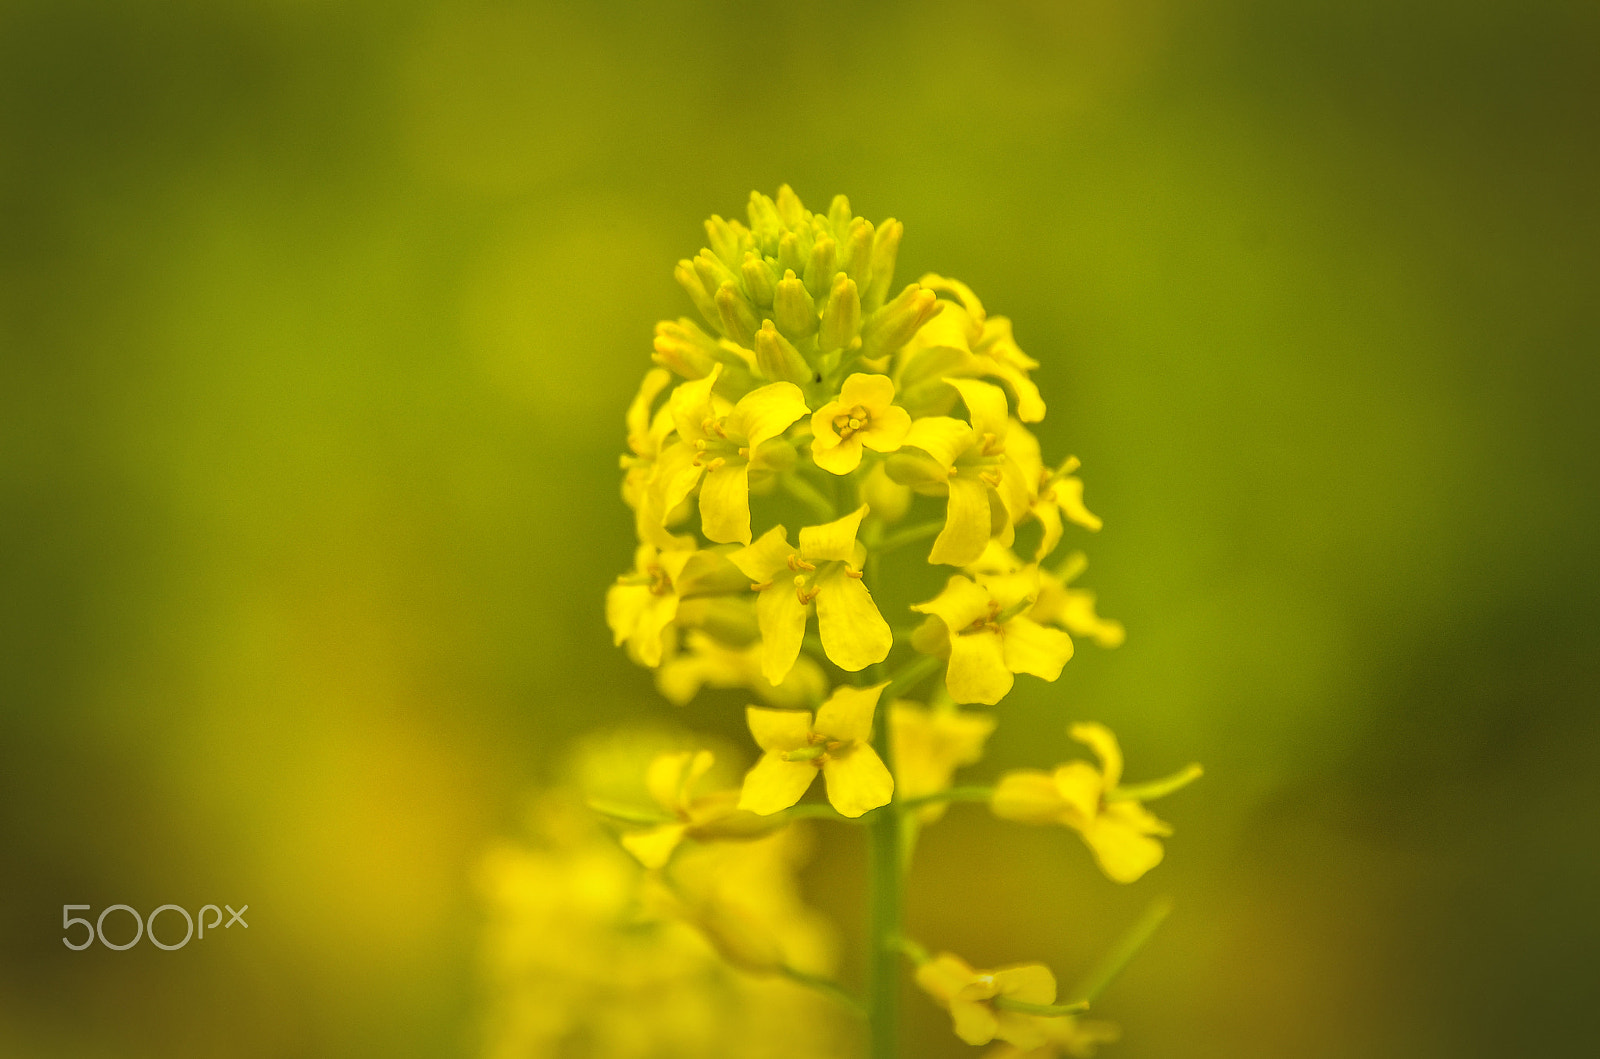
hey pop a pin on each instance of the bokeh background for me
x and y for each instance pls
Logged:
(316, 326)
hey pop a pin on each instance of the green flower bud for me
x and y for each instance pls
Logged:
(689, 280)
(885, 248)
(682, 347)
(712, 272)
(839, 214)
(739, 319)
(841, 317)
(727, 238)
(822, 266)
(893, 325)
(777, 359)
(794, 309)
(764, 221)
(790, 210)
(857, 254)
(759, 279)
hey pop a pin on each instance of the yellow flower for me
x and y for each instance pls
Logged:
(838, 744)
(641, 605)
(969, 463)
(1064, 1035)
(826, 571)
(1056, 493)
(719, 446)
(984, 632)
(862, 414)
(929, 745)
(1120, 831)
(967, 994)
(963, 340)
(670, 779)
(706, 661)
(1057, 603)
(647, 435)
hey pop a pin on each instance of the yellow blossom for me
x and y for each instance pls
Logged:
(1057, 603)
(641, 605)
(705, 661)
(862, 414)
(969, 994)
(929, 745)
(1121, 832)
(718, 448)
(987, 637)
(671, 779)
(1065, 1037)
(838, 744)
(1055, 493)
(824, 571)
(969, 463)
(647, 435)
(963, 340)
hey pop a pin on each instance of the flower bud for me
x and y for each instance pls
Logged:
(893, 325)
(856, 258)
(727, 239)
(759, 278)
(790, 209)
(681, 346)
(885, 247)
(792, 256)
(777, 359)
(738, 316)
(764, 220)
(823, 264)
(794, 309)
(689, 280)
(841, 317)
(839, 213)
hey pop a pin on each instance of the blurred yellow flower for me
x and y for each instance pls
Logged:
(838, 744)
(670, 780)
(983, 631)
(929, 745)
(969, 994)
(1120, 831)
(643, 604)
(825, 570)
(1064, 1036)
(706, 661)
(719, 446)
(864, 413)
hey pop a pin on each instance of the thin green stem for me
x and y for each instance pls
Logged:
(827, 987)
(1125, 950)
(1052, 1011)
(809, 495)
(889, 542)
(949, 794)
(1144, 792)
(885, 890)
(908, 676)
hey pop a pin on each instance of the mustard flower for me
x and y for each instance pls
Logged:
(1056, 602)
(705, 661)
(862, 415)
(720, 445)
(963, 340)
(824, 571)
(970, 464)
(670, 780)
(838, 744)
(1056, 494)
(929, 745)
(969, 994)
(1121, 832)
(984, 632)
(642, 605)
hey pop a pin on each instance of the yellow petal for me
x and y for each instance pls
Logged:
(624, 606)
(725, 503)
(986, 406)
(838, 456)
(766, 412)
(692, 405)
(1049, 517)
(889, 429)
(854, 634)
(1033, 649)
(775, 784)
(1032, 983)
(638, 417)
(834, 540)
(782, 618)
(942, 437)
(1079, 786)
(1123, 852)
(872, 392)
(977, 670)
(1027, 796)
(1099, 738)
(974, 1022)
(847, 715)
(653, 847)
(675, 476)
(669, 776)
(778, 731)
(762, 561)
(969, 301)
(966, 523)
(857, 779)
(1030, 406)
(960, 604)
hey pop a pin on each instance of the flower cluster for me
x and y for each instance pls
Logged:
(809, 424)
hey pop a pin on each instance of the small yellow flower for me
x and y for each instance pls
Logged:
(718, 448)
(838, 744)
(826, 571)
(929, 745)
(983, 630)
(969, 462)
(965, 341)
(1056, 493)
(642, 605)
(1064, 1036)
(671, 779)
(1057, 603)
(967, 994)
(864, 413)
(707, 662)
(647, 436)
(1120, 831)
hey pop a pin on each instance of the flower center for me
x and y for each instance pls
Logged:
(848, 423)
(987, 622)
(660, 583)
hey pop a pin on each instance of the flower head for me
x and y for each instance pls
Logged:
(982, 628)
(825, 572)
(969, 997)
(838, 743)
(1118, 829)
(862, 414)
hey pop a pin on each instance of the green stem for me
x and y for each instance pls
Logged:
(885, 889)
(1051, 1011)
(907, 677)
(907, 536)
(809, 495)
(949, 794)
(1125, 949)
(1145, 792)
(826, 986)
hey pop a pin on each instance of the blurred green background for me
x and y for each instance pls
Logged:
(316, 326)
